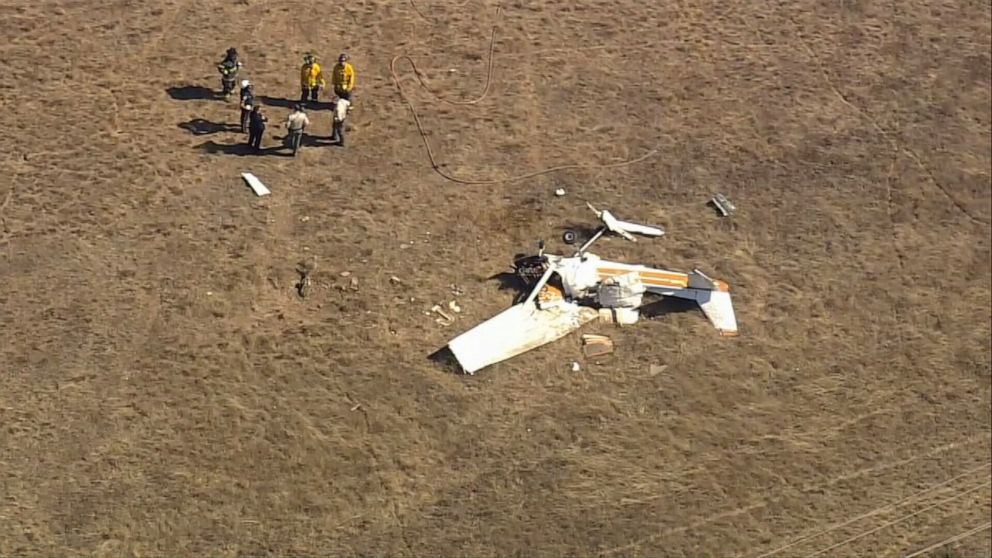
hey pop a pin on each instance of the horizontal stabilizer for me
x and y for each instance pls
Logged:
(639, 229)
(624, 228)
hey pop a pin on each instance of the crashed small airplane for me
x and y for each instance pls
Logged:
(568, 292)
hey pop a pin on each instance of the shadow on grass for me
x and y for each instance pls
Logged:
(242, 149)
(291, 103)
(666, 306)
(193, 93)
(445, 360)
(203, 127)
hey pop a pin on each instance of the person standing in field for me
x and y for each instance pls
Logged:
(311, 78)
(247, 102)
(296, 123)
(256, 127)
(228, 69)
(343, 78)
(341, 108)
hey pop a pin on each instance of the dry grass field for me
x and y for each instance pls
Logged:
(165, 391)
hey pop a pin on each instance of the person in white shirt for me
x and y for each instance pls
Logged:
(341, 108)
(296, 123)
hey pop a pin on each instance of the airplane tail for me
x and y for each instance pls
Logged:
(718, 308)
(713, 297)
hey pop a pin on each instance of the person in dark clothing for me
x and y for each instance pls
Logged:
(256, 127)
(247, 102)
(228, 69)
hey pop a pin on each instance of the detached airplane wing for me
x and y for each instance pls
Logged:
(516, 330)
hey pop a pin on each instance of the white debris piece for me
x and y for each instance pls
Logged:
(621, 291)
(576, 367)
(444, 318)
(560, 192)
(723, 205)
(255, 184)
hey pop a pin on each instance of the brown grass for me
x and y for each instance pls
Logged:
(165, 391)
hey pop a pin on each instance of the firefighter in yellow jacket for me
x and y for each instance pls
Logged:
(311, 78)
(343, 78)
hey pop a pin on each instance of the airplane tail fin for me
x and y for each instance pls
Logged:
(718, 308)
(713, 297)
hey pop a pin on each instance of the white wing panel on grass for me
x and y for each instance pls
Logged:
(516, 330)
(255, 184)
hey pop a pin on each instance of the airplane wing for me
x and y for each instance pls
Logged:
(516, 330)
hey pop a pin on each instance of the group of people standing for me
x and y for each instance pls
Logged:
(253, 121)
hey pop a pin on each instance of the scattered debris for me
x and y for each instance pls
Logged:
(395, 279)
(576, 367)
(655, 369)
(303, 285)
(723, 205)
(444, 319)
(356, 405)
(586, 287)
(345, 274)
(304, 219)
(560, 192)
(255, 184)
(354, 283)
(596, 345)
(453, 305)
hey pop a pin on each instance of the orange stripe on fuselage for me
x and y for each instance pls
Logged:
(648, 277)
